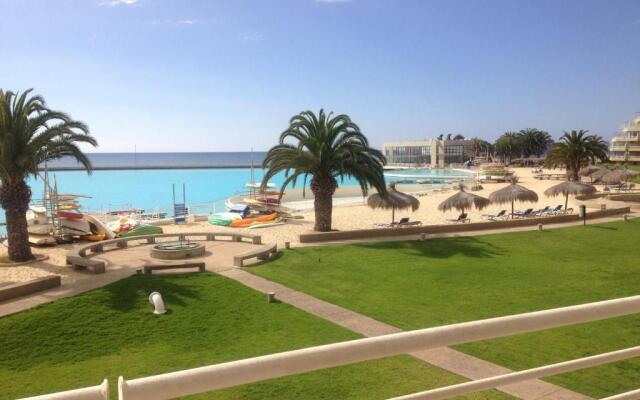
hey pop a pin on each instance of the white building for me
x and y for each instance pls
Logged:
(433, 152)
(626, 147)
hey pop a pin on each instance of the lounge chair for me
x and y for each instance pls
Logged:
(523, 214)
(493, 217)
(462, 218)
(556, 210)
(543, 211)
(406, 222)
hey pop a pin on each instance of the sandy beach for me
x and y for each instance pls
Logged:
(345, 217)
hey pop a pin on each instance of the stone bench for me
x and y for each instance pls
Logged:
(79, 262)
(25, 288)
(260, 254)
(148, 269)
(77, 257)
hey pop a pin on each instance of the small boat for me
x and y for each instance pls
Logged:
(75, 226)
(95, 237)
(69, 214)
(256, 185)
(98, 227)
(41, 240)
(39, 229)
(258, 225)
(249, 221)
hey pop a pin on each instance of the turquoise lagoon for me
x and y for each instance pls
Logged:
(151, 189)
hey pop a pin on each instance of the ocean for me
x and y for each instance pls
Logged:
(107, 161)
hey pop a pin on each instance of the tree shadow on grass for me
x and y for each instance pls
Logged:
(467, 246)
(608, 228)
(125, 293)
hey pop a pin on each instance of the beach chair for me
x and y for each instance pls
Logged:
(542, 211)
(410, 223)
(493, 217)
(462, 218)
(555, 210)
(523, 214)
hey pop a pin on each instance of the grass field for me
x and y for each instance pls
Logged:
(78, 341)
(417, 284)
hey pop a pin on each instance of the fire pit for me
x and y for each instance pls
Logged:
(177, 250)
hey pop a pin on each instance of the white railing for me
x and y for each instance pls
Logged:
(214, 377)
(100, 392)
(225, 375)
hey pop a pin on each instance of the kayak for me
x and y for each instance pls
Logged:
(223, 219)
(69, 214)
(248, 221)
(142, 230)
(95, 237)
(258, 225)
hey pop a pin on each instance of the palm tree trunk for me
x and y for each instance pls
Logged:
(323, 189)
(14, 198)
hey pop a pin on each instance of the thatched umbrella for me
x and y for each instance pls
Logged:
(513, 193)
(597, 175)
(394, 200)
(463, 200)
(569, 187)
(618, 175)
(588, 170)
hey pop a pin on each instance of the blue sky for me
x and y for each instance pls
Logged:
(167, 75)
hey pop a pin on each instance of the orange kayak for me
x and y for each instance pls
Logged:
(248, 221)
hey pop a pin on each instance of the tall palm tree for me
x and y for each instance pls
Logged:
(576, 149)
(507, 146)
(30, 134)
(325, 148)
(534, 142)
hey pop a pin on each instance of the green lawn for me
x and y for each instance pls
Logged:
(418, 284)
(78, 341)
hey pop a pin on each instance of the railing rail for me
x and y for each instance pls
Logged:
(220, 376)
(99, 392)
(520, 376)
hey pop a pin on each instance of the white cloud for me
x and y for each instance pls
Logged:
(188, 21)
(253, 37)
(180, 22)
(113, 3)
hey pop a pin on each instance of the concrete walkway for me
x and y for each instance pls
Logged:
(448, 359)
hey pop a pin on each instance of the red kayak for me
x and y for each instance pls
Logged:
(69, 214)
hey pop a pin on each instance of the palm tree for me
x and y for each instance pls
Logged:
(508, 146)
(576, 149)
(534, 142)
(325, 147)
(30, 134)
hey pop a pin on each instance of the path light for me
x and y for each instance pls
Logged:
(155, 298)
(271, 297)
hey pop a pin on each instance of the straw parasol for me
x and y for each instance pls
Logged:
(597, 175)
(569, 187)
(513, 193)
(463, 200)
(394, 200)
(588, 170)
(618, 175)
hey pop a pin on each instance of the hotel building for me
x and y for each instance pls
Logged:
(626, 147)
(435, 153)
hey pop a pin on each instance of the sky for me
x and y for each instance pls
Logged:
(168, 75)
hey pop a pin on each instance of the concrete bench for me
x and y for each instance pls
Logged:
(25, 288)
(79, 262)
(148, 269)
(260, 254)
